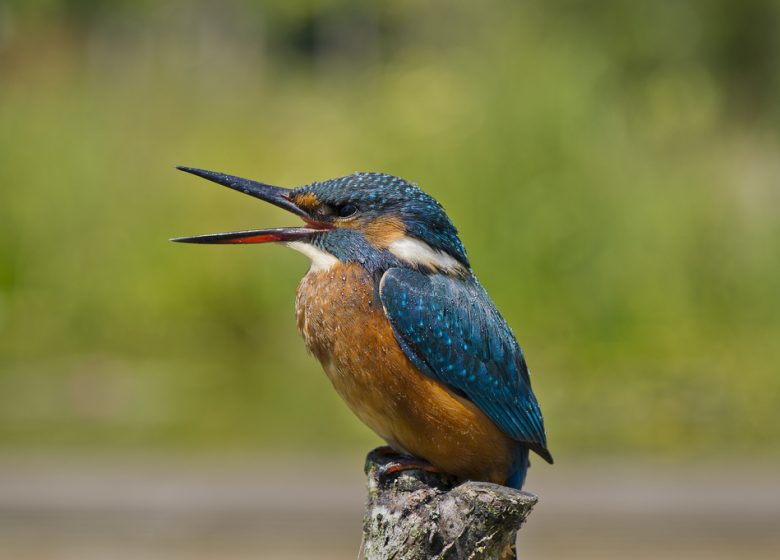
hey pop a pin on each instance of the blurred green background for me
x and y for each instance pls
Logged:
(612, 167)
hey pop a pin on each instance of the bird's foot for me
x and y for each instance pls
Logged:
(405, 463)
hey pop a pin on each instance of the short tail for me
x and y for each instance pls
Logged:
(520, 468)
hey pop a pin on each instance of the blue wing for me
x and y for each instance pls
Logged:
(449, 328)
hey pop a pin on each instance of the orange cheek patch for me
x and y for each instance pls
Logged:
(383, 231)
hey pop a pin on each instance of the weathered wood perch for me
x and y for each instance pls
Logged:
(417, 515)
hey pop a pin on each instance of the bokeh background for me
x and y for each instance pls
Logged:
(612, 167)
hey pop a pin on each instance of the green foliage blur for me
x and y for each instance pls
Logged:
(612, 166)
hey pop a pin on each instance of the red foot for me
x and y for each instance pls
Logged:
(407, 464)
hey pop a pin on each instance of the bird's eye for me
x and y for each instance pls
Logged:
(347, 210)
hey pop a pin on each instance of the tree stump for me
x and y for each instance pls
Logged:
(418, 515)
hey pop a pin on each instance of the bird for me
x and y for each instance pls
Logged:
(405, 332)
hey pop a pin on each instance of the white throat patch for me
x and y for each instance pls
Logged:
(320, 260)
(419, 253)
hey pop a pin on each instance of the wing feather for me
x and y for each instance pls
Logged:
(450, 329)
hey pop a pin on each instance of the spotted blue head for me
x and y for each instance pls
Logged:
(375, 219)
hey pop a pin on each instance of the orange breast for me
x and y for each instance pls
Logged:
(347, 330)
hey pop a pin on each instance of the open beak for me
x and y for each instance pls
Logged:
(277, 196)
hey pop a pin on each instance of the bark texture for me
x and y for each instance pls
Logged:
(417, 515)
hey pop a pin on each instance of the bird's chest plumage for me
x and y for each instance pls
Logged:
(345, 327)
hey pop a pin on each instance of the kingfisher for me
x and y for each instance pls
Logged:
(405, 332)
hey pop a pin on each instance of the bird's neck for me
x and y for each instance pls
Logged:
(417, 254)
(348, 246)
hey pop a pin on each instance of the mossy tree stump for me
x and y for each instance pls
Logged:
(418, 515)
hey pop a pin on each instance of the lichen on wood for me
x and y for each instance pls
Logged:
(419, 515)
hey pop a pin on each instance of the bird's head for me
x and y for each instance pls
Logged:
(372, 218)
